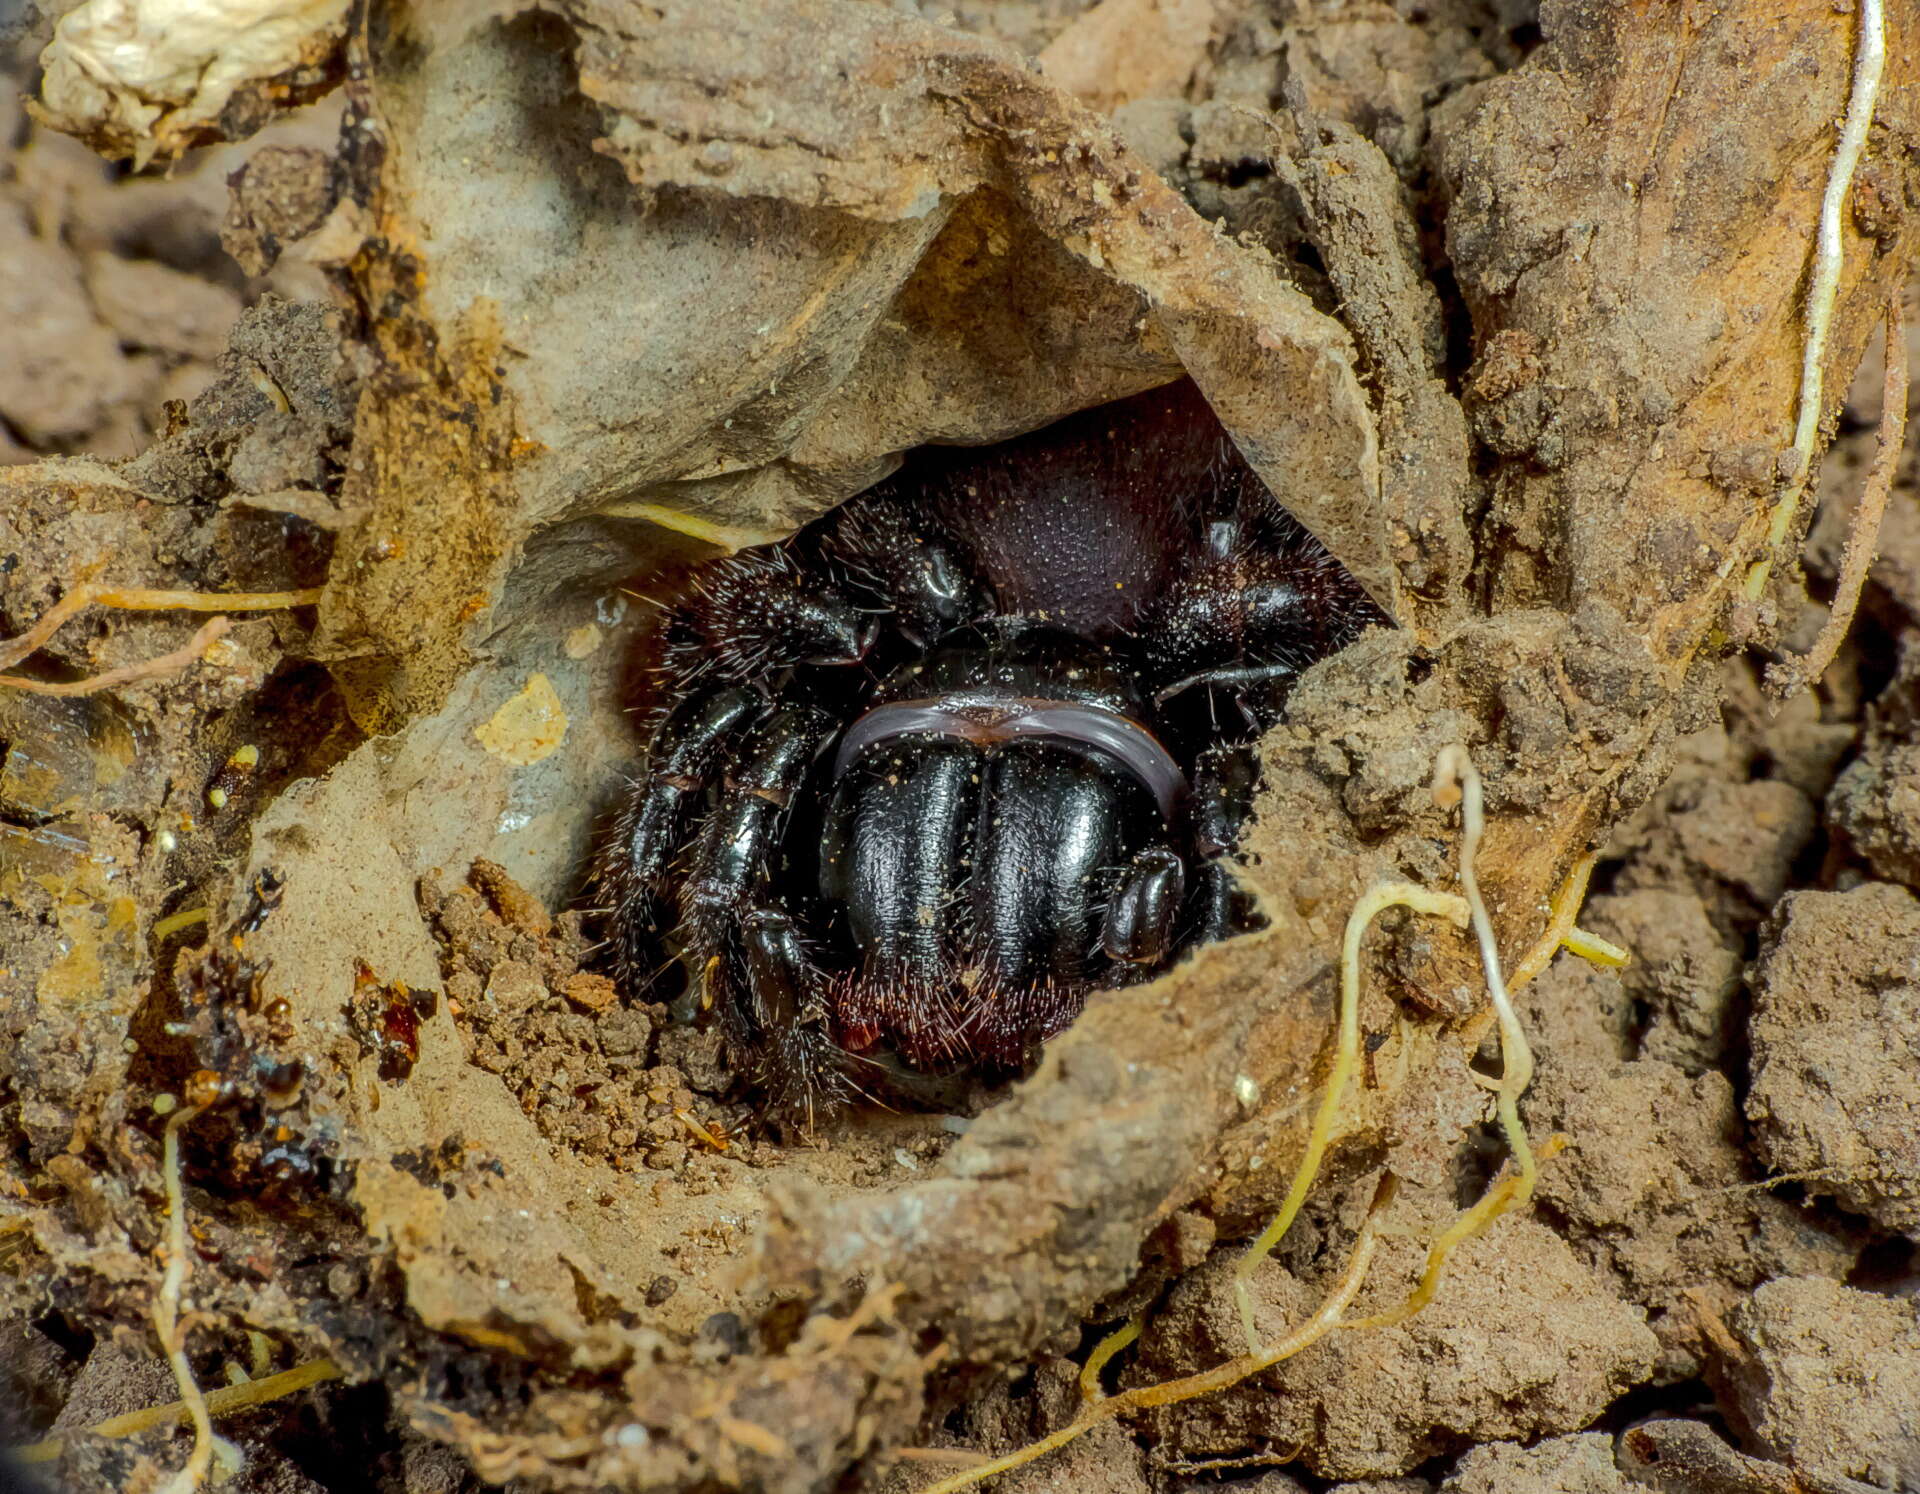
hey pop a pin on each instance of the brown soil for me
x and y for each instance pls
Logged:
(1503, 301)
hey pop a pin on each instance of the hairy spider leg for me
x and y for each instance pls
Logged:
(787, 1001)
(736, 846)
(1246, 622)
(1264, 603)
(758, 612)
(883, 546)
(652, 826)
(733, 859)
(1224, 781)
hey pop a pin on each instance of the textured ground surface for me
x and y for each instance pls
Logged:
(541, 1231)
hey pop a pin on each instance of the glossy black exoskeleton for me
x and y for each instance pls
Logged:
(969, 747)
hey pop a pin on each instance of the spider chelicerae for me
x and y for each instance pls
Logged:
(969, 747)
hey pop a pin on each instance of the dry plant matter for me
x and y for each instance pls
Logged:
(168, 1313)
(1864, 531)
(195, 1405)
(138, 599)
(222, 1402)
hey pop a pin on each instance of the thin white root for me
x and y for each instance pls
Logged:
(1823, 285)
(1171, 1392)
(1595, 950)
(1504, 1194)
(87, 594)
(254, 1392)
(1455, 768)
(1102, 1353)
(1457, 781)
(1561, 931)
(1346, 1056)
(160, 666)
(166, 1311)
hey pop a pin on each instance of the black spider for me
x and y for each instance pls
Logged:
(967, 748)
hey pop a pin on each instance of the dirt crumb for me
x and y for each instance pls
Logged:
(1875, 802)
(1735, 841)
(1581, 1464)
(509, 899)
(1836, 1045)
(278, 412)
(149, 305)
(1654, 1187)
(1579, 1017)
(35, 1377)
(281, 194)
(112, 1382)
(577, 1059)
(69, 373)
(1829, 1378)
(1523, 1340)
(1684, 974)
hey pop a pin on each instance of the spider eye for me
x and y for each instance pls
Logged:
(943, 581)
(946, 595)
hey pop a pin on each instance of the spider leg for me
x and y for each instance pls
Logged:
(1227, 641)
(732, 863)
(1244, 624)
(652, 827)
(883, 546)
(1223, 787)
(759, 612)
(1266, 601)
(1142, 917)
(785, 999)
